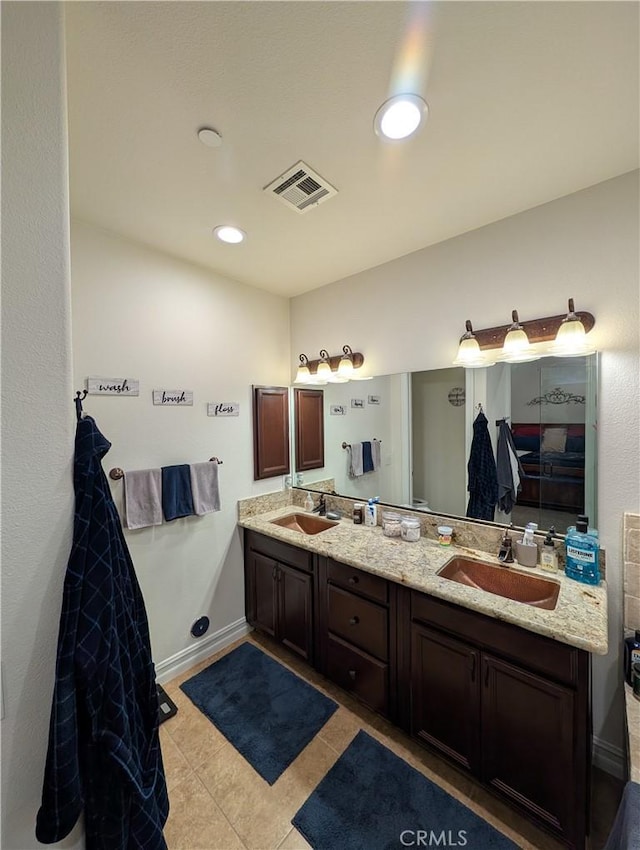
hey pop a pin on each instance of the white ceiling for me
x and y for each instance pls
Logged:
(528, 102)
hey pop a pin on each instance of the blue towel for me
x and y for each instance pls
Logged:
(177, 499)
(367, 458)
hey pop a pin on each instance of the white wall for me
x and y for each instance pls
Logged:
(141, 314)
(539, 377)
(438, 435)
(37, 409)
(408, 315)
(356, 425)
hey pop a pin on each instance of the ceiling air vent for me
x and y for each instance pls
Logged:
(301, 188)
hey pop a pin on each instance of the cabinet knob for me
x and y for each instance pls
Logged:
(354, 621)
(352, 675)
(353, 580)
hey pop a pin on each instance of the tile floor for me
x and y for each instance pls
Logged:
(218, 802)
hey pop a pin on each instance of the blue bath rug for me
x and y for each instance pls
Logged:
(267, 712)
(373, 800)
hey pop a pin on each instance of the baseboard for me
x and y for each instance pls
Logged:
(609, 758)
(186, 658)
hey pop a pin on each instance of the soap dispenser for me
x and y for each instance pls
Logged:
(308, 503)
(549, 556)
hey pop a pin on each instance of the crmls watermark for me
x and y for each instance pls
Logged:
(429, 838)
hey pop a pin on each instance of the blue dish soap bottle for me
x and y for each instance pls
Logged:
(582, 553)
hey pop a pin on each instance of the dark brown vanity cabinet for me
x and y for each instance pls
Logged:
(507, 705)
(445, 695)
(510, 706)
(356, 622)
(279, 593)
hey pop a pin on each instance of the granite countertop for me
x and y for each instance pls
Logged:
(633, 730)
(579, 619)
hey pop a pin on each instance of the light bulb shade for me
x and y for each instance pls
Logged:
(324, 370)
(516, 347)
(345, 367)
(303, 375)
(571, 339)
(469, 353)
(337, 379)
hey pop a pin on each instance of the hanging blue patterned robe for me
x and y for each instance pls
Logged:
(483, 479)
(104, 755)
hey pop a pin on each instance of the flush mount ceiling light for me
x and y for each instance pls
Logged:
(210, 137)
(517, 343)
(228, 233)
(400, 116)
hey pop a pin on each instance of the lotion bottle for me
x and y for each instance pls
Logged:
(371, 512)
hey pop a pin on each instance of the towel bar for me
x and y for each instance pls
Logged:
(116, 473)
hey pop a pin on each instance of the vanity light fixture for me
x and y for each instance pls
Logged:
(469, 354)
(571, 338)
(400, 116)
(519, 342)
(336, 370)
(228, 233)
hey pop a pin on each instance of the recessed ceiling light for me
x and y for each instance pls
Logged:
(400, 116)
(226, 233)
(209, 137)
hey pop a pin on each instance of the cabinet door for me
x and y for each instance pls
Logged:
(527, 743)
(295, 618)
(261, 592)
(270, 432)
(445, 684)
(309, 413)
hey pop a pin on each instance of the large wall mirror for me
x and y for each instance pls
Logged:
(424, 424)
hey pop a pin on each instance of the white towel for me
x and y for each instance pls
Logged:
(355, 460)
(143, 498)
(204, 487)
(375, 454)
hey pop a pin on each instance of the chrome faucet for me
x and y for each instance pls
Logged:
(505, 553)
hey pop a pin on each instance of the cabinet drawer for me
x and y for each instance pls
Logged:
(359, 621)
(537, 652)
(358, 581)
(359, 674)
(279, 551)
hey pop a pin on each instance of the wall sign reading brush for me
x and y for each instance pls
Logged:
(175, 398)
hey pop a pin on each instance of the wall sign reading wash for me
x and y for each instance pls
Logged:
(223, 408)
(166, 398)
(113, 386)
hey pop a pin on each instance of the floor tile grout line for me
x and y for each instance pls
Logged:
(221, 810)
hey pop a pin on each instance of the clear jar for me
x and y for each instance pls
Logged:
(410, 529)
(391, 524)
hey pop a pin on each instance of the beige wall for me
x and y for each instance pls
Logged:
(141, 314)
(408, 315)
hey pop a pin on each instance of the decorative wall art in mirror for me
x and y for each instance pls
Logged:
(424, 424)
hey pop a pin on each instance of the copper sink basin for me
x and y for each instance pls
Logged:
(510, 584)
(306, 523)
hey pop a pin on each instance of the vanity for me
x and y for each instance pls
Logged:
(497, 686)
